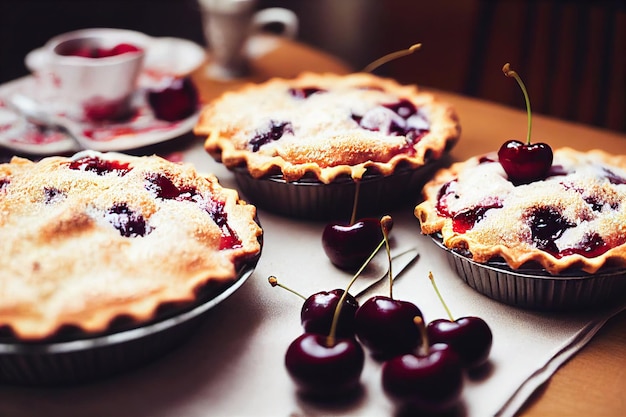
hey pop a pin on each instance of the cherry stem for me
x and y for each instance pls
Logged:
(510, 73)
(330, 340)
(385, 225)
(419, 322)
(355, 203)
(390, 57)
(274, 283)
(432, 280)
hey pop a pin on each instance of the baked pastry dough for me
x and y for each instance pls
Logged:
(574, 218)
(325, 125)
(95, 237)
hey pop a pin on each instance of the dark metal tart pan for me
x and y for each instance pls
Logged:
(531, 287)
(72, 357)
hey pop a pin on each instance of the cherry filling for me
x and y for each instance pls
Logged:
(275, 131)
(486, 159)
(466, 219)
(396, 119)
(127, 221)
(445, 192)
(163, 187)
(100, 166)
(614, 178)
(52, 195)
(229, 238)
(546, 226)
(305, 92)
(595, 202)
(4, 182)
(557, 170)
(591, 246)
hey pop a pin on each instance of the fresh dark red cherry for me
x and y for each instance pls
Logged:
(525, 163)
(349, 245)
(318, 311)
(326, 365)
(386, 326)
(320, 369)
(470, 337)
(176, 101)
(430, 382)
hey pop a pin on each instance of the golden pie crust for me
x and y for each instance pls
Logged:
(580, 206)
(81, 248)
(324, 139)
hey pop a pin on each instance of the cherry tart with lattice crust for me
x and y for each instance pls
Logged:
(95, 237)
(324, 126)
(574, 218)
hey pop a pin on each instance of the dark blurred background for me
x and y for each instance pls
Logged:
(571, 54)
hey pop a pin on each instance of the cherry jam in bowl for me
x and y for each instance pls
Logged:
(532, 287)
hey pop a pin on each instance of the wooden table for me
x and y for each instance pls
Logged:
(593, 382)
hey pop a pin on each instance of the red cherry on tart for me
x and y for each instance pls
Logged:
(176, 100)
(524, 162)
(470, 337)
(430, 381)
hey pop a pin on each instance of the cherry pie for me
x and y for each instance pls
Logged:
(574, 218)
(96, 237)
(324, 126)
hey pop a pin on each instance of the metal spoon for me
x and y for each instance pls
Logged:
(32, 111)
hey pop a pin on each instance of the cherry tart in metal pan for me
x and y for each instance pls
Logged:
(573, 218)
(98, 238)
(317, 132)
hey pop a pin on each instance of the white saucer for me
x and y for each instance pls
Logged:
(167, 57)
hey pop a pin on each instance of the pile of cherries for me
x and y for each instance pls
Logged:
(423, 365)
